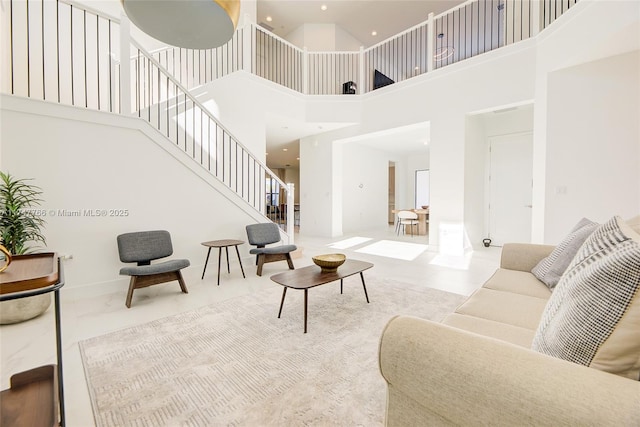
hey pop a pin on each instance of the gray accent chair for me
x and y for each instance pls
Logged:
(263, 234)
(142, 247)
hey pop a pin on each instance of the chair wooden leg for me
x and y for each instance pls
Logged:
(132, 286)
(290, 262)
(183, 286)
(261, 259)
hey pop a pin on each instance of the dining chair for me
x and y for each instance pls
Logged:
(406, 218)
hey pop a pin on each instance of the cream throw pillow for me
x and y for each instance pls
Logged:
(593, 315)
(550, 269)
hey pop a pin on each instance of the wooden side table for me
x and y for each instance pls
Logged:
(222, 244)
(36, 396)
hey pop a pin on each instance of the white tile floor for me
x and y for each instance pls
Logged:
(31, 343)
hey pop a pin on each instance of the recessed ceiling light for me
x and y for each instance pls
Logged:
(297, 158)
(269, 19)
(285, 149)
(323, 7)
(374, 33)
(266, 154)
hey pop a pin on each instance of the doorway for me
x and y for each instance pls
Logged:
(510, 188)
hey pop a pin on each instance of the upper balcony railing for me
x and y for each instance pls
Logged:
(88, 39)
(467, 30)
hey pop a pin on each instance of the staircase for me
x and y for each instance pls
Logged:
(63, 52)
(70, 54)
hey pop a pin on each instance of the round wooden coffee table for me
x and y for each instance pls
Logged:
(225, 243)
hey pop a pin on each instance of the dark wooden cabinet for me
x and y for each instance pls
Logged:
(36, 396)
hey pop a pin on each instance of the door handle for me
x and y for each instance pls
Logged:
(528, 206)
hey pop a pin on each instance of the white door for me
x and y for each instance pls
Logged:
(510, 192)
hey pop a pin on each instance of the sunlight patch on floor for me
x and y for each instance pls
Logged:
(391, 249)
(460, 262)
(349, 243)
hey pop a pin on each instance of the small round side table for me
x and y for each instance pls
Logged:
(222, 244)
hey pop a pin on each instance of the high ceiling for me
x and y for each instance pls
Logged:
(359, 18)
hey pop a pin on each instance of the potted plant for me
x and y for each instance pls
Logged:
(20, 227)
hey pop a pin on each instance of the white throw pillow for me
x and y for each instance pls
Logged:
(550, 269)
(593, 315)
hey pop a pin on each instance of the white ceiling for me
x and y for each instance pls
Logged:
(401, 141)
(283, 139)
(359, 18)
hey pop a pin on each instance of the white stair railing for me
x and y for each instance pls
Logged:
(60, 51)
(167, 105)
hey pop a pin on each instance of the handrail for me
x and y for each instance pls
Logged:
(454, 8)
(400, 34)
(167, 104)
(89, 9)
(275, 36)
(195, 101)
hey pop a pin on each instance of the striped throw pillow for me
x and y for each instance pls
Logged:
(593, 315)
(550, 269)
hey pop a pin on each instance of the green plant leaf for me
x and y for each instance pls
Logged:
(19, 224)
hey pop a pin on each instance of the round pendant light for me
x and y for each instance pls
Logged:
(194, 24)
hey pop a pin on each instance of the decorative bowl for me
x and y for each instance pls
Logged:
(329, 263)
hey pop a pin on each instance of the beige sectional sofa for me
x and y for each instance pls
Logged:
(477, 368)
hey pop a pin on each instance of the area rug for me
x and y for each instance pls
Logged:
(234, 363)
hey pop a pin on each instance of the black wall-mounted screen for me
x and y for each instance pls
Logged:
(380, 80)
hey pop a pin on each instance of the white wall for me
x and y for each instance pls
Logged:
(315, 37)
(242, 102)
(593, 141)
(345, 42)
(475, 175)
(442, 98)
(365, 182)
(90, 160)
(508, 76)
(296, 37)
(572, 41)
(479, 129)
(316, 189)
(323, 38)
(292, 175)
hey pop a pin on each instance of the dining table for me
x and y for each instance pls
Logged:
(423, 219)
